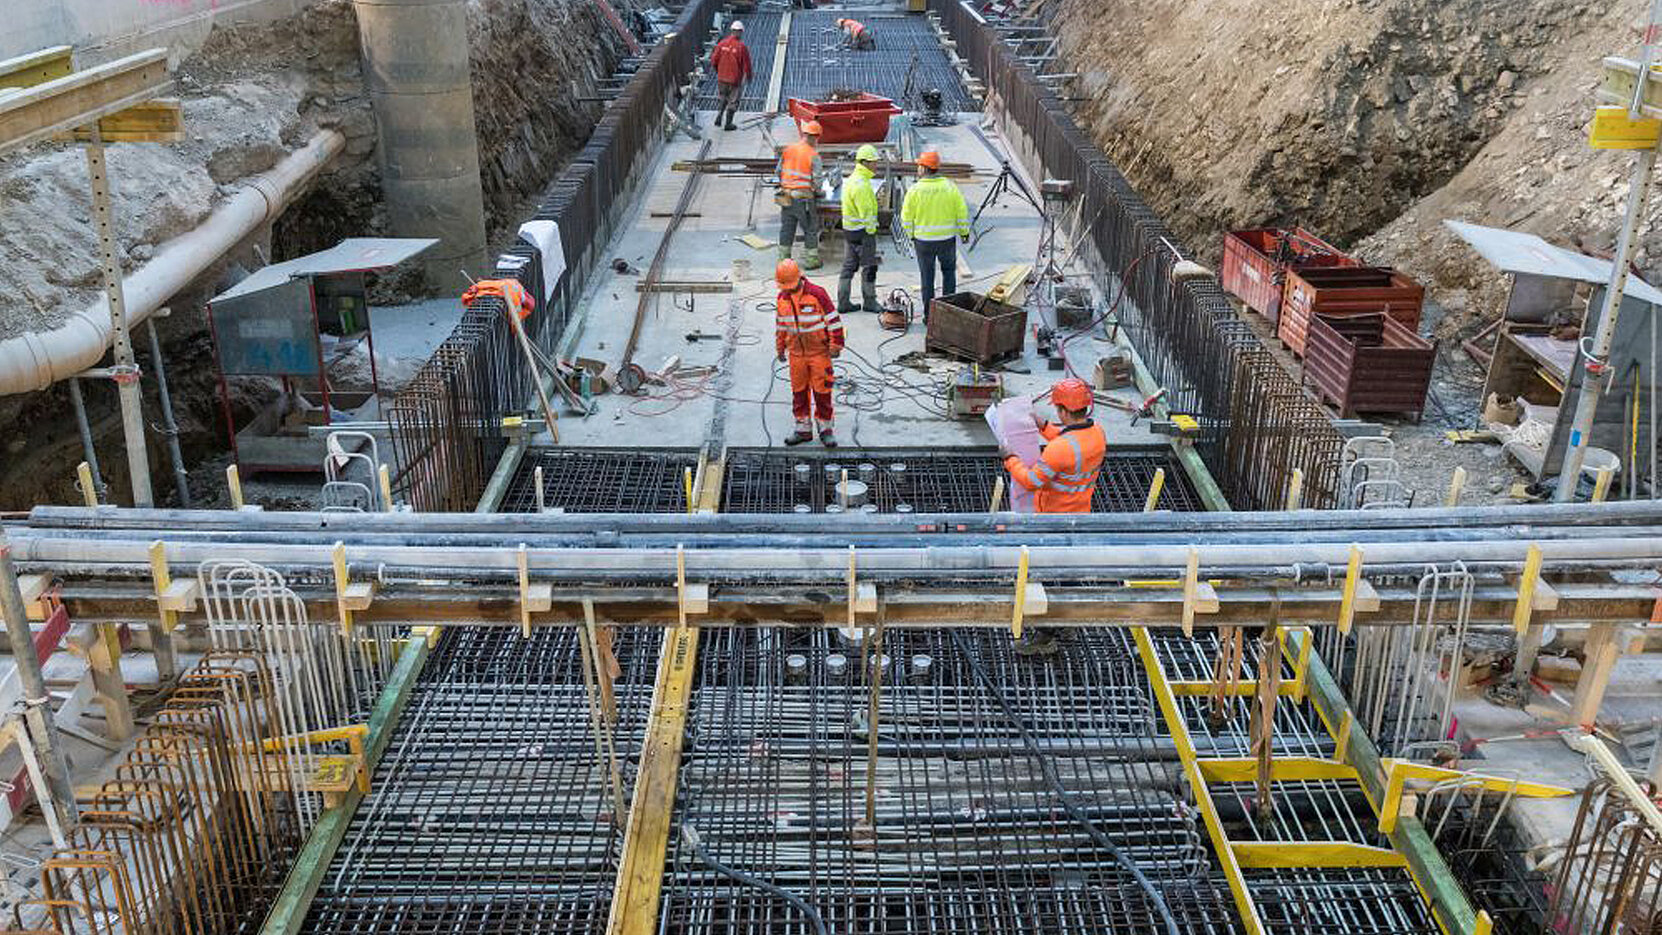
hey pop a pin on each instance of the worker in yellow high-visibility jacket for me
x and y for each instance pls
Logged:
(859, 233)
(935, 216)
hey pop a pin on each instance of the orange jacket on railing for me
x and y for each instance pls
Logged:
(510, 291)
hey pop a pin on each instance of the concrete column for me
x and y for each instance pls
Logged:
(416, 71)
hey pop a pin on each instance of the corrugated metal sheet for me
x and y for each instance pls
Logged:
(1516, 252)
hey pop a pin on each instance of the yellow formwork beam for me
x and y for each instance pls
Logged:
(1259, 855)
(1250, 919)
(1400, 772)
(1282, 768)
(640, 874)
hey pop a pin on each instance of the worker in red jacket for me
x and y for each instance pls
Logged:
(809, 333)
(731, 60)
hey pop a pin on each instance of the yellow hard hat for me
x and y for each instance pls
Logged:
(866, 153)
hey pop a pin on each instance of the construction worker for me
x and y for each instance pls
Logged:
(859, 233)
(934, 216)
(731, 61)
(808, 333)
(1064, 477)
(800, 175)
(856, 36)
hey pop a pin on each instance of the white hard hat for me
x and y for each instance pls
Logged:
(738, 26)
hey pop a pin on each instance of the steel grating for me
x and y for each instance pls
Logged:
(956, 480)
(969, 834)
(490, 811)
(602, 480)
(907, 47)
(761, 34)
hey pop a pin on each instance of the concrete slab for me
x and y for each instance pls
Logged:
(745, 400)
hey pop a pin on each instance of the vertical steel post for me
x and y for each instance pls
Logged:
(77, 402)
(170, 426)
(37, 713)
(1595, 361)
(125, 370)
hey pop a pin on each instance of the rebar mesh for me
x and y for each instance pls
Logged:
(969, 834)
(491, 811)
(908, 52)
(957, 480)
(761, 32)
(602, 480)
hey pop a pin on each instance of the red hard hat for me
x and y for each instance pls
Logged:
(1072, 394)
(787, 274)
(811, 128)
(931, 159)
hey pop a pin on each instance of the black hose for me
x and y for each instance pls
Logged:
(1049, 770)
(690, 836)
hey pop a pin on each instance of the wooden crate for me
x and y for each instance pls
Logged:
(1369, 363)
(1346, 291)
(973, 327)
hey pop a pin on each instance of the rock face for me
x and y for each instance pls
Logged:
(1338, 114)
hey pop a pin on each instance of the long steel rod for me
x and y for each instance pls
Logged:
(170, 426)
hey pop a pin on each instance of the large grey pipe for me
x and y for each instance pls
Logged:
(420, 84)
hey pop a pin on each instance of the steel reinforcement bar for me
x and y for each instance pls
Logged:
(1257, 424)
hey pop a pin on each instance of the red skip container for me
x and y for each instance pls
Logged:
(864, 119)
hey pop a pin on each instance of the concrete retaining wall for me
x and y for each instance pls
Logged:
(101, 30)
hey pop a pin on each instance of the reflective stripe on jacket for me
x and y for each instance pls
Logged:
(934, 209)
(1064, 477)
(799, 168)
(859, 201)
(807, 322)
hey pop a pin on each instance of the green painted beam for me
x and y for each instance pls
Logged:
(1448, 899)
(290, 908)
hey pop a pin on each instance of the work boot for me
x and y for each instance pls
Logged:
(729, 124)
(810, 259)
(827, 437)
(801, 436)
(872, 307)
(1036, 641)
(844, 305)
(784, 251)
(868, 297)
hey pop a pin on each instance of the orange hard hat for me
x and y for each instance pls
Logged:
(811, 128)
(787, 273)
(931, 159)
(1072, 394)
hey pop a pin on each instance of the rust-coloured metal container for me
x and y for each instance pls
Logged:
(864, 119)
(1346, 291)
(1255, 263)
(973, 327)
(1369, 363)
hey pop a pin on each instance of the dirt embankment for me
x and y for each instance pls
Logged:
(250, 95)
(1342, 115)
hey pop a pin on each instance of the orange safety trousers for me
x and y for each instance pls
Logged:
(811, 382)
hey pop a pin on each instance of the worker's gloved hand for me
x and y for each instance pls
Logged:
(781, 356)
(1003, 452)
(836, 352)
(963, 238)
(1039, 421)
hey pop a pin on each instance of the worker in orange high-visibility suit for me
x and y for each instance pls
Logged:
(801, 175)
(1064, 477)
(857, 35)
(808, 333)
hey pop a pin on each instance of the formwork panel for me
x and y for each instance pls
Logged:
(602, 480)
(909, 480)
(908, 51)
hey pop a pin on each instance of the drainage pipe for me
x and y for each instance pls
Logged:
(36, 360)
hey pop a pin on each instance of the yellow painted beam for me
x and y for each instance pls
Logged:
(1258, 855)
(75, 100)
(1250, 919)
(1284, 768)
(640, 874)
(149, 122)
(26, 71)
(1400, 772)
